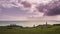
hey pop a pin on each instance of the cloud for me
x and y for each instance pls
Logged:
(54, 11)
(24, 8)
(50, 9)
(18, 8)
(26, 4)
(15, 11)
(10, 3)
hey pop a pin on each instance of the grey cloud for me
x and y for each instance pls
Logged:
(10, 3)
(26, 4)
(52, 8)
(54, 11)
(14, 11)
(14, 3)
(9, 8)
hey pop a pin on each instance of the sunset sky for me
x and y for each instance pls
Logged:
(30, 10)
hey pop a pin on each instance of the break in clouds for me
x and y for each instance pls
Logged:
(29, 8)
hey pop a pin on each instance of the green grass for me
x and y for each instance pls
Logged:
(18, 30)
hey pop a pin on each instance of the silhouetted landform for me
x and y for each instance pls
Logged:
(56, 24)
(14, 25)
(44, 25)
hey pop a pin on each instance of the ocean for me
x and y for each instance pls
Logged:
(27, 23)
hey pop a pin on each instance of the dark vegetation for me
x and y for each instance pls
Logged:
(40, 29)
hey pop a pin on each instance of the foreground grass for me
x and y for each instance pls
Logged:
(18, 30)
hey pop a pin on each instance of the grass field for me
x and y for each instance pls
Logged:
(18, 30)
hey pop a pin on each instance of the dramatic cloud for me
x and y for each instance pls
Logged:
(50, 9)
(28, 8)
(18, 8)
(10, 3)
(26, 4)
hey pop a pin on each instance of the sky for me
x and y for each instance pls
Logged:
(29, 10)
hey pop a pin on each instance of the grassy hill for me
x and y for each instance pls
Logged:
(30, 30)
